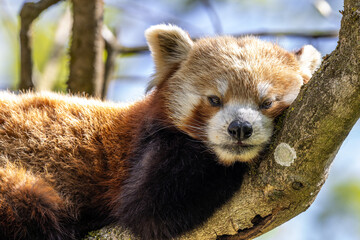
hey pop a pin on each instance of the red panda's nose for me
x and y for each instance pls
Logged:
(240, 130)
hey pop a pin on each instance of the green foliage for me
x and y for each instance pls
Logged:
(112, 16)
(346, 198)
(60, 83)
(44, 48)
(10, 28)
(43, 42)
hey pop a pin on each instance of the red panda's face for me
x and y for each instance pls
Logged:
(226, 91)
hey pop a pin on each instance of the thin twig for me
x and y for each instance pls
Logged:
(327, 34)
(213, 16)
(111, 49)
(29, 12)
(319, 34)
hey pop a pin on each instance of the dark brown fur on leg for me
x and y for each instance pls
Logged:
(29, 207)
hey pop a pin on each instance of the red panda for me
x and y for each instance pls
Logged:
(160, 166)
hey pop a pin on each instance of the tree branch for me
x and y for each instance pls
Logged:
(283, 185)
(87, 47)
(213, 16)
(111, 49)
(29, 12)
(145, 49)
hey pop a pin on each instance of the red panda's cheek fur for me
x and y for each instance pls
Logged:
(305, 78)
(285, 88)
(196, 123)
(275, 110)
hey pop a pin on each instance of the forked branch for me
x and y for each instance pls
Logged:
(29, 12)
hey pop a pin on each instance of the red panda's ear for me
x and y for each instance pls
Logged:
(169, 46)
(309, 59)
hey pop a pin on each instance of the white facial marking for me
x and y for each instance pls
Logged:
(225, 146)
(284, 154)
(185, 101)
(290, 97)
(222, 86)
(263, 88)
(228, 157)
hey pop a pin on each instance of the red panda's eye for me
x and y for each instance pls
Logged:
(214, 101)
(266, 105)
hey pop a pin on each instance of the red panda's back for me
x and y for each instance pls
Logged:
(58, 138)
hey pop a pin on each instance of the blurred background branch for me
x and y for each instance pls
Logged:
(111, 48)
(87, 47)
(29, 12)
(145, 49)
(213, 16)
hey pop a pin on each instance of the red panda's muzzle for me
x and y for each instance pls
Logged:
(240, 130)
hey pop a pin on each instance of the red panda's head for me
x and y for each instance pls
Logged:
(226, 91)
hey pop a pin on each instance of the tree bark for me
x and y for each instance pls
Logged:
(307, 137)
(29, 12)
(87, 48)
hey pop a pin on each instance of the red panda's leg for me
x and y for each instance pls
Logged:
(29, 207)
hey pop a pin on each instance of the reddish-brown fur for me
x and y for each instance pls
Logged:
(53, 144)
(66, 161)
